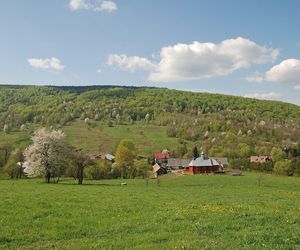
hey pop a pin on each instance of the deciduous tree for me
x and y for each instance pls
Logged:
(47, 154)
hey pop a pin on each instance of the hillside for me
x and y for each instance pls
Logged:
(98, 117)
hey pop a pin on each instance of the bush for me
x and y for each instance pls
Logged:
(283, 167)
(242, 164)
(13, 169)
(101, 170)
(296, 167)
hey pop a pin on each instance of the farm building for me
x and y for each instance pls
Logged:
(158, 170)
(177, 163)
(203, 164)
(260, 159)
(161, 158)
(222, 160)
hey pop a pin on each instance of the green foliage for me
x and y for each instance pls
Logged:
(244, 150)
(125, 155)
(277, 154)
(283, 167)
(143, 169)
(13, 170)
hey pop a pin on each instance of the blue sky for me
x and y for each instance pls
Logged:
(245, 48)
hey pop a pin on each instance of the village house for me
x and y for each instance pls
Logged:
(161, 158)
(260, 159)
(203, 164)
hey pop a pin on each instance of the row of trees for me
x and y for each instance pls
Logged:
(50, 156)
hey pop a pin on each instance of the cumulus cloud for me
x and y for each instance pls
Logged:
(266, 96)
(105, 5)
(52, 63)
(205, 60)
(130, 63)
(288, 71)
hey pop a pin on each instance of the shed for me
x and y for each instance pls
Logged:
(158, 170)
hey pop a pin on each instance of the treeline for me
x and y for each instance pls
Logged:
(50, 156)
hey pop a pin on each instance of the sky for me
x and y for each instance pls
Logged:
(243, 48)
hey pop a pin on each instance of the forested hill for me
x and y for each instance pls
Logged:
(214, 120)
(19, 104)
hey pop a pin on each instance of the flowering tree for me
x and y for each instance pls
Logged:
(46, 155)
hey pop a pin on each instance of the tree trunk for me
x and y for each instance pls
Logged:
(80, 176)
(48, 177)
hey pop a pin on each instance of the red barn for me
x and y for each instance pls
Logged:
(203, 164)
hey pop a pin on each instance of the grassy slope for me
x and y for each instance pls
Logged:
(148, 138)
(188, 212)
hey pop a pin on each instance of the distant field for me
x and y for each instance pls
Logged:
(189, 212)
(147, 138)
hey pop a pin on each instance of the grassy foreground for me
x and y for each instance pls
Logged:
(189, 212)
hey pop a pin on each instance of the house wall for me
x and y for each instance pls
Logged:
(202, 170)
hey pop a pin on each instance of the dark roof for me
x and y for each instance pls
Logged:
(204, 161)
(221, 160)
(177, 162)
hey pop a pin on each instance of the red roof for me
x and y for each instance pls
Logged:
(161, 156)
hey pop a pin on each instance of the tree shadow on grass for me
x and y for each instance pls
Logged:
(88, 184)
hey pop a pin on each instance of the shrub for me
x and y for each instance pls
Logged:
(283, 167)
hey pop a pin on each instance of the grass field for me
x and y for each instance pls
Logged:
(189, 212)
(147, 138)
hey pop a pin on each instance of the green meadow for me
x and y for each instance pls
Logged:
(252, 211)
(148, 139)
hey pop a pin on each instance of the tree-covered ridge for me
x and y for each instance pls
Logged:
(214, 119)
(62, 104)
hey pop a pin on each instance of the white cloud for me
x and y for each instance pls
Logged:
(108, 6)
(266, 96)
(288, 71)
(52, 63)
(105, 5)
(200, 60)
(79, 5)
(130, 63)
(206, 60)
(256, 77)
